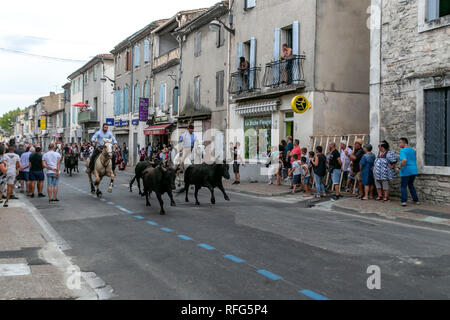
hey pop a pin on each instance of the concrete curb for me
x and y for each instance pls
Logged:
(417, 222)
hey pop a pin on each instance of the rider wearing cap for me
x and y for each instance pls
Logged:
(98, 139)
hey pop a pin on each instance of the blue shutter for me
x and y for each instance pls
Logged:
(432, 10)
(252, 63)
(296, 38)
(125, 100)
(276, 55)
(175, 101)
(146, 51)
(115, 102)
(136, 101)
(136, 56)
(162, 95)
(240, 52)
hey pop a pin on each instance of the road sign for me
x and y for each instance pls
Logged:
(300, 104)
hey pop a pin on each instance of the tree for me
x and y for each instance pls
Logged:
(8, 119)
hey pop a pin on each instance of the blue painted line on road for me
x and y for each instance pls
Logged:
(152, 223)
(269, 275)
(166, 229)
(127, 211)
(111, 203)
(207, 247)
(234, 258)
(313, 295)
(139, 217)
(104, 200)
(119, 207)
(184, 237)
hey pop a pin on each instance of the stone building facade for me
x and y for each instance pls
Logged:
(410, 86)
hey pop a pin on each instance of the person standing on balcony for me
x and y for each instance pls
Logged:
(288, 58)
(244, 70)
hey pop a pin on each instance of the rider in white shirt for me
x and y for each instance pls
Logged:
(187, 141)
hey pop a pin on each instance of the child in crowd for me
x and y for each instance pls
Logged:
(350, 179)
(306, 175)
(296, 171)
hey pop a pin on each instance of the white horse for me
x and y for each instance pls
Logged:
(103, 167)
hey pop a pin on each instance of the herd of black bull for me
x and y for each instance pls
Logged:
(161, 180)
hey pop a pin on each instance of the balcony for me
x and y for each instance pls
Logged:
(245, 82)
(285, 73)
(87, 116)
(166, 60)
(280, 77)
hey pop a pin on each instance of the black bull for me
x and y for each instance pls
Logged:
(159, 180)
(209, 176)
(71, 163)
(139, 173)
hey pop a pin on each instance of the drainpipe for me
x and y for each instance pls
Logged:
(228, 122)
(134, 156)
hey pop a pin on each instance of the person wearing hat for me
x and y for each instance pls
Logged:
(187, 141)
(345, 160)
(356, 157)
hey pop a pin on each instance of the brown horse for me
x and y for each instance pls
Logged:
(103, 167)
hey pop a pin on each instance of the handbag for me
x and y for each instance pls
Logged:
(269, 161)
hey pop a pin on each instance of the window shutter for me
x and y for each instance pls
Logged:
(217, 88)
(276, 44)
(136, 56)
(162, 95)
(432, 10)
(240, 53)
(435, 125)
(296, 38)
(197, 92)
(250, 4)
(175, 101)
(146, 51)
(252, 63)
(198, 44)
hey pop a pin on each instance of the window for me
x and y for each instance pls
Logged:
(126, 95)
(137, 56)
(175, 100)
(136, 97)
(95, 72)
(94, 107)
(249, 4)
(437, 9)
(258, 137)
(437, 127)
(128, 61)
(146, 51)
(220, 88)
(146, 89)
(197, 92)
(198, 44)
(162, 96)
(220, 37)
(86, 77)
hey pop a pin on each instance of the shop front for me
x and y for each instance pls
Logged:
(122, 131)
(158, 132)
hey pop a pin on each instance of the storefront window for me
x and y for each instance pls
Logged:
(258, 137)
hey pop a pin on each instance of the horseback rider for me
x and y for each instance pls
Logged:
(98, 138)
(187, 141)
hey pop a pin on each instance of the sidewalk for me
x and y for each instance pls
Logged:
(30, 266)
(423, 214)
(257, 189)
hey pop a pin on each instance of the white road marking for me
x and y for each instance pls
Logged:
(14, 270)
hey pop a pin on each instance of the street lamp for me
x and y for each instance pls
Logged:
(215, 26)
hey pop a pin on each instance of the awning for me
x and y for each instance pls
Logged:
(157, 130)
(258, 108)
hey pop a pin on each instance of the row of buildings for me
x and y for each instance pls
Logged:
(359, 69)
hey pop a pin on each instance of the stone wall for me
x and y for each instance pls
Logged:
(408, 58)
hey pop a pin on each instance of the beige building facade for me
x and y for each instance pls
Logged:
(330, 68)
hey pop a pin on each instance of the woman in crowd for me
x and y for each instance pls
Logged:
(36, 172)
(384, 170)
(366, 165)
(320, 170)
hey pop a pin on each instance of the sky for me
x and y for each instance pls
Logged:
(72, 30)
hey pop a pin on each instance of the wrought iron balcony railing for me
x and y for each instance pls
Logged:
(285, 72)
(245, 81)
(87, 116)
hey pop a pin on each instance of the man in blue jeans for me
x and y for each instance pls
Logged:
(52, 162)
(408, 171)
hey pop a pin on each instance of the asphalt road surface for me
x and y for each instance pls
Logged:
(248, 248)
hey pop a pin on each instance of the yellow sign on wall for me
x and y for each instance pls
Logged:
(300, 104)
(31, 125)
(43, 124)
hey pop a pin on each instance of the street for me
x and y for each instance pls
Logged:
(248, 248)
